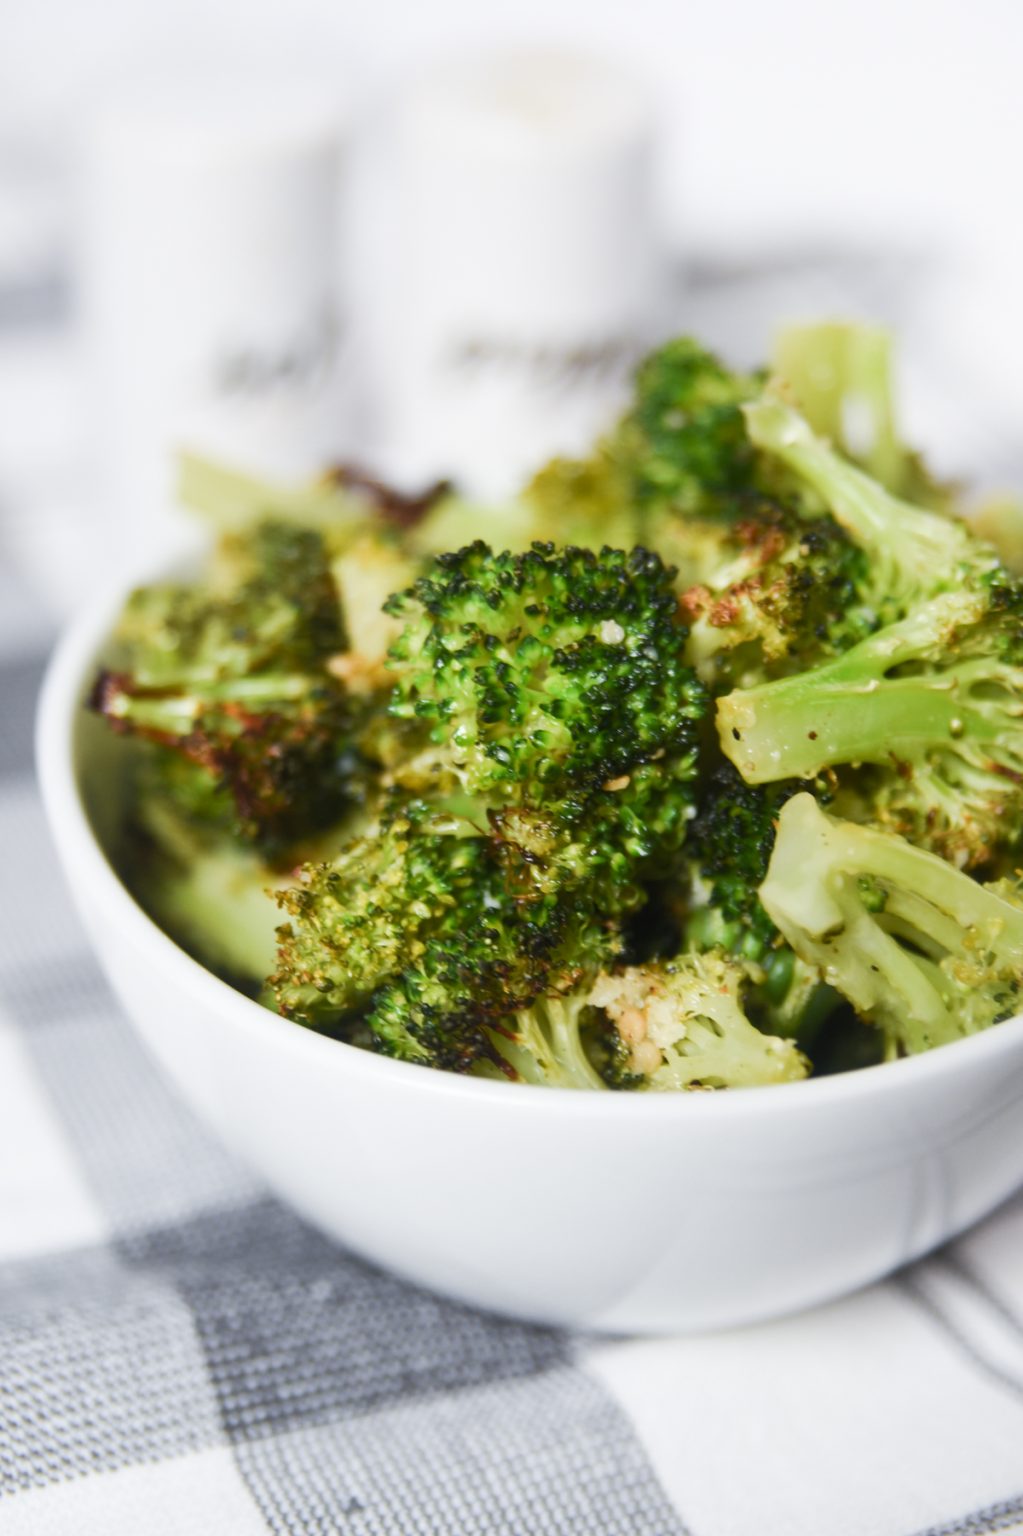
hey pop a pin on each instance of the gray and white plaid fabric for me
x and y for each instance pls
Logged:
(180, 1354)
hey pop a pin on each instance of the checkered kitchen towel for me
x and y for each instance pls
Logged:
(182, 1356)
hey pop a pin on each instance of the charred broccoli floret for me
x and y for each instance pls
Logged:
(783, 595)
(920, 949)
(551, 759)
(436, 938)
(234, 688)
(551, 689)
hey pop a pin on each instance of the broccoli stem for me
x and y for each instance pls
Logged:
(913, 548)
(230, 500)
(547, 1048)
(174, 714)
(915, 945)
(842, 377)
(850, 711)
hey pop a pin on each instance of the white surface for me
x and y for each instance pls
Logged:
(812, 1418)
(684, 1212)
(44, 1203)
(203, 1492)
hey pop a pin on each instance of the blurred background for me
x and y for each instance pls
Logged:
(431, 237)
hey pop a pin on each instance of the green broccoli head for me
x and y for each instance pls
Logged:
(232, 684)
(686, 1027)
(551, 689)
(730, 846)
(934, 703)
(434, 937)
(784, 594)
(919, 948)
(684, 439)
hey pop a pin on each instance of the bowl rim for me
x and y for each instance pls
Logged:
(64, 686)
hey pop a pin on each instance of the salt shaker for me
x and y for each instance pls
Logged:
(210, 286)
(530, 280)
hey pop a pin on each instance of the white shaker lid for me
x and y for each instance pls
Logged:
(529, 258)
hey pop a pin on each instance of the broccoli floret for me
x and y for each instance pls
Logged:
(552, 755)
(920, 949)
(236, 683)
(686, 1027)
(913, 554)
(546, 1043)
(784, 594)
(551, 689)
(729, 847)
(684, 441)
(588, 502)
(437, 938)
(935, 701)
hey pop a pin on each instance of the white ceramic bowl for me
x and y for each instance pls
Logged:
(617, 1212)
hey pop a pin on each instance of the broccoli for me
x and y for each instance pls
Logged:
(435, 938)
(550, 688)
(231, 501)
(549, 774)
(920, 949)
(784, 594)
(729, 846)
(684, 441)
(936, 701)
(913, 553)
(840, 373)
(841, 376)
(210, 893)
(366, 572)
(237, 683)
(588, 502)
(686, 1027)
(479, 788)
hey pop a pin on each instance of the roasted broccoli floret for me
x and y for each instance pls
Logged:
(551, 689)
(437, 938)
(685, 1026)
(920, 949)
(684, 441)
(551, 760)
(234, 687)
(935, 701)
(783, 596)
(729, 847)
(913, 554)
(587, 502)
